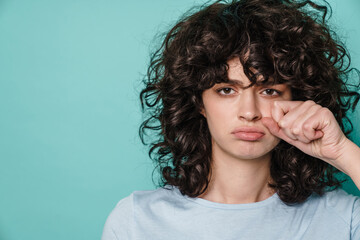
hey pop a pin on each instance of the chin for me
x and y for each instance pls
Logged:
(251, 156)
(253, 152)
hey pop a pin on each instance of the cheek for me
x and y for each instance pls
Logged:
(265, 108)
(214, 108)
(218, 117)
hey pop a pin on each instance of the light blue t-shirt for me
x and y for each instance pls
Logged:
(167, 214)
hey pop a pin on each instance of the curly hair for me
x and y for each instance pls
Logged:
(282, 41)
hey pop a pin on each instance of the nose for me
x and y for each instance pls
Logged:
(248, 107)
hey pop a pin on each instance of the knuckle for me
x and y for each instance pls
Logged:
(307, 127)
(295, 131)
(283, 124)
(316, 107)
(310, 102)
(325, 111)
(276, 104)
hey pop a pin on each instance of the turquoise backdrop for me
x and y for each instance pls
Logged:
(70, 75)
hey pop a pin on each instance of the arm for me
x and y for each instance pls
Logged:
(349, 159)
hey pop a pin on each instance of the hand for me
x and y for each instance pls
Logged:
(309, 127)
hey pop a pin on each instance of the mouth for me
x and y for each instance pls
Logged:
(248, 133)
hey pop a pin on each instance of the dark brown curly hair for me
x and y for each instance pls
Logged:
(282, 41)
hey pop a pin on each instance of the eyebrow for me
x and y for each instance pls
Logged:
(241, 84)
(236, 82)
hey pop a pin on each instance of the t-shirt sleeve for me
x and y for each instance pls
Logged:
(355, 220)
(119, 223)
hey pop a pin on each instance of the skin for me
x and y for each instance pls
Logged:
(241, 168)
(314, 130)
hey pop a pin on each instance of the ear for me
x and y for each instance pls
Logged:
(202, 112)
(199, 105)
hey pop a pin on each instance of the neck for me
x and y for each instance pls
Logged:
(235, 181)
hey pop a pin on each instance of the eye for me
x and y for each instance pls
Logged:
(271, 92)
(225, 91)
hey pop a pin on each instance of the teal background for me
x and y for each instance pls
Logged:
(70, 75)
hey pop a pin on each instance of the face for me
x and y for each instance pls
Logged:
(234, 115)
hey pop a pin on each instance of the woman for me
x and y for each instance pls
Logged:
(249, 102)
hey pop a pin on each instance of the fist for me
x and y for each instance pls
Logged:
(308, 126)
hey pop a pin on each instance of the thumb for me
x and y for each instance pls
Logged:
(271, 125)
(276, 130)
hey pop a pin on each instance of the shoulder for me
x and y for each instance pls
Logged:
(344, 205)
(120, 220)
(339, 199)
(347, 207)
(165, 194)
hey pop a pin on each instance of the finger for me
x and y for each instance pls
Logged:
(291, 122)
(311, 128)
(280, 108)
(288, 131)
(279, 113)
(299, 135)
(301, 128)
(276, 131)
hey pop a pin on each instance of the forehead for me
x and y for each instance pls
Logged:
(236, 73)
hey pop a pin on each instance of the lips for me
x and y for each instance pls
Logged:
(248, 133)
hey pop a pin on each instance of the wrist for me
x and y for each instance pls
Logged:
(349, 158)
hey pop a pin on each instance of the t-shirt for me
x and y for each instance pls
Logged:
(169, 215)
